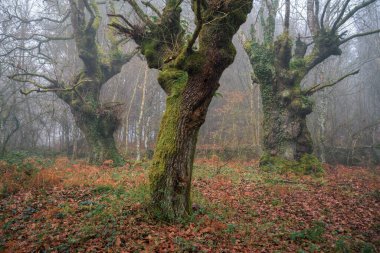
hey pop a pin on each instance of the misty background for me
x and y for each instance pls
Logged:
(345, 123)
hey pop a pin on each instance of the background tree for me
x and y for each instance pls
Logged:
(190, 77)
(279, 70)
(97, 121)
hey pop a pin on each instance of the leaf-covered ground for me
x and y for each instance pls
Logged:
(73, 207)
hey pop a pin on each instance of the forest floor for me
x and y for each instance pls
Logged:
(67, 206)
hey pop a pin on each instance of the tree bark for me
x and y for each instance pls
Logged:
(286, 134)
(98, 130)
(141, 114)
(173, 159)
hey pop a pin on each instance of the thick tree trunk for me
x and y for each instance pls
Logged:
(171, 173)
(98, 131)
(190, 78)
(285, 106)
(288, 145)
(286, 134)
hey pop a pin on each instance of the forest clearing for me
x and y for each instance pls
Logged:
(66, 206)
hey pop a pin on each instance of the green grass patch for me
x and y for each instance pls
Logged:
(314, 233)
(307, 165)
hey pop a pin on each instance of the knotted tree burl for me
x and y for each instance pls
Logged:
(190, 69)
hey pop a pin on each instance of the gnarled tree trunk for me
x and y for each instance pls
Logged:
(186, 109)
(190, 78)
(279, 71)
(98, 130)
(285, 133)
(82, 94)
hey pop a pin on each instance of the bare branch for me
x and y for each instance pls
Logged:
(38, 46)
(40, 88)
(122, 18)
(319, 87)
(287, 15)
(316, 10)
(178, 4)
(28, 21)
(16, 78)
(140, 13)
(198, 27)
(338, 19)
(92, 14)
(339, 23)
(312, 21)
(33, 37)
(358, 35)
(154, 8)
(324, 13)
(121, 29)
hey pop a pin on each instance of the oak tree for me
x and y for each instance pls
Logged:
(280, 64)
(189, 71)
(81, 93)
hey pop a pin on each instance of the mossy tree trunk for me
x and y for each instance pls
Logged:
(172, 166)
(285, 130)
(285, 107)
(97, 121)
(279, 72)
(190, 78)
(98, 129)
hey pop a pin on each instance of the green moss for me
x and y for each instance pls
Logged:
(286, 95)
(310, 58)
(98, 19)
(228, 52)
(172, 80)
(296, 104)
(349, 245)
(296, 91)
(310, 165)
(283, 50)
(262, 59)
(307, 165)
(314, 233)
(297, 64)
(194, 63)
(239, 15)
(151, 50)
(264, 73)
(176, 81)
(284, 38)
(301, 105)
